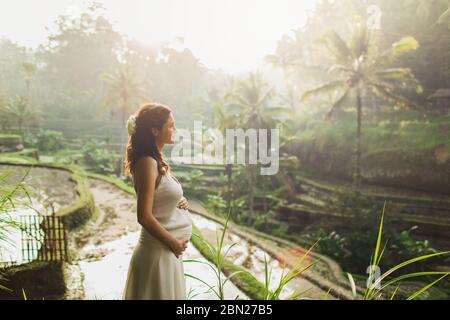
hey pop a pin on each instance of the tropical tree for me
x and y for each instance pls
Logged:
(253, 100)
(431, 28)
(19, 111)
(361, 69)
(181, 74)
(4, 121)
(124, 90)
(11, 57)
(285, 57)
(79, 50)
(224, 111)
(225, 117)
(29, 70)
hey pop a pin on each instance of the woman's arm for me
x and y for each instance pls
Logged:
(146, 172)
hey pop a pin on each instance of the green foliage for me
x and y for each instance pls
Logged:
(9, 190)
(218, 262)
(193, 178)
(11, 55)
(280, 230)
(391, 132)
(313, 129)
(351, 251)
(360, 69)
(19, 111)
(65, 156)
(124, 90)
(330, 244)
(296, 271)
(216, 204)
(222, 178)
(325, 148)
(356, 206)
(266, 223)
(45, 140)
(375, 289)
(10, 138)
(407, 247)
(97, 157)
(10, 142)
(76, 54)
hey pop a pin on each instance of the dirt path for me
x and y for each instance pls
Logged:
(117, 214)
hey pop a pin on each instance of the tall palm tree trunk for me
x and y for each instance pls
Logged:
(264, 185)
(229, 171)
(20, 123)
(289, 88)
(28, 86)
(251, 191)
(357, 168)
(122, 138)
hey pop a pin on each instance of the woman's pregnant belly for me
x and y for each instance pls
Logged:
(178, 224)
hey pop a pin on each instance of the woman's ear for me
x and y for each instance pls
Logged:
(155, 132)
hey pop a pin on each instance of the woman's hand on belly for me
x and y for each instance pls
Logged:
(178, 246)
(183, 204)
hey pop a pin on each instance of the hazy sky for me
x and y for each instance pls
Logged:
(233, 35)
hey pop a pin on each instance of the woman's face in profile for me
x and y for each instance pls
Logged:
(167, 132)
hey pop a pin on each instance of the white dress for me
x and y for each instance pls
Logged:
(155, 273)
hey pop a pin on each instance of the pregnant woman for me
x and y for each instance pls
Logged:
(156, 268)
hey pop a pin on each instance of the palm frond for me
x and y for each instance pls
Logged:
(359, 43)
(324, 89)
(333, 41)
(387, 93)
(404, 45)
(393, 73)
(338, 103)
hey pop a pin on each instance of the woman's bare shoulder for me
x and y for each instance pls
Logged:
(145, 164)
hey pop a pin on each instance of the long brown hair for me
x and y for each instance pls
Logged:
(142, 141)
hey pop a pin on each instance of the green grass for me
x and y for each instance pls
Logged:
(375, 288)
(219, 263)
(384, 136)
(10, 138)
(243, 278)
(113, 180)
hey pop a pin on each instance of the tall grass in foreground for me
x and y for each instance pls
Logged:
(293, 273)
(376, 289)
(8, 202)
(218, 264)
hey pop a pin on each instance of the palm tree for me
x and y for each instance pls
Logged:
(360, 70)
(29, 70)
(4, 121)
(252, 98)
(225, 117)
(18, 110)
(285, 58)
(123, 90)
